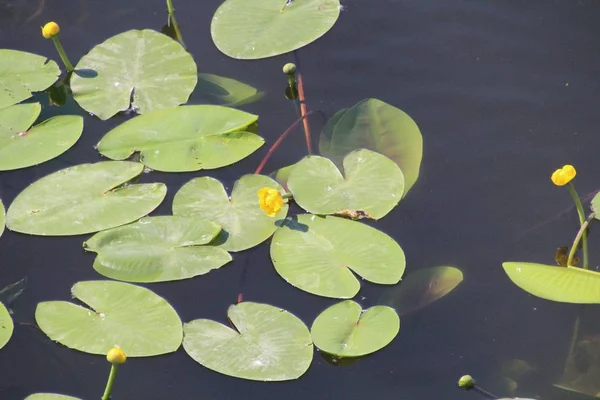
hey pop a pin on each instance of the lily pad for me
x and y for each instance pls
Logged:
(346, 330)
(83, 199)
(132, 317)
(157, 249)
(226, 91)
(2, 217)
(319, 254)
(6, 325)
(244, 224)
(421, 288)
(139, 69)
(265, 344)
(187, 138)
(264, 28)
(50, 396)
(378, 126)
(282, 175)
(371, 183)
(563, 284)
(22, 146)
(22, 73)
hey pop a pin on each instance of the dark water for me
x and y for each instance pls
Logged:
(504, 92)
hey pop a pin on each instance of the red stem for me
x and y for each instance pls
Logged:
(303, 113)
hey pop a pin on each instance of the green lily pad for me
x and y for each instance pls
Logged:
(22, 146)
(187, 138)
(22, 73)
(82, 199)
(226, 91)
(2, 217)
(50, 396)
(375, 125)
(121, 314)
(346, 330)
(371, 183)
(421, 288)
(265, 28)
(319, 254)
(244, 224)
(266, 344)
(141, 69)
(157, 249)
(282, 175)
(563, 284)
(6, 325)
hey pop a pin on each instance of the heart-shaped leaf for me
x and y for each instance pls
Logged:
(345, 330)
(6, 326)
(50, 396)
(120, 314)
(266, 344)
(142, 69)
(372, 183)
(187, 138)
(22, 73)
(244, 224)
(226, 91)
(563, 284)
(157, 249)
(375, 125)
(319, 254)
(22, 146)
(83, 199)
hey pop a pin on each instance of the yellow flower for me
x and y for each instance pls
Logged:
(562, 176)
(50, 30)
(116, 356)
(270, 201)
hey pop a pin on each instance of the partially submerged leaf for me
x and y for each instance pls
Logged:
(266, 344)
(582, 368)
(6, 326)
(9, 293)
(157, 249)
(132, 317)
(2, 217)
(226, 91)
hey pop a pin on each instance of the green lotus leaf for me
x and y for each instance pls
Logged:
(563, 284)
(141, 69)
(375, 125)
(346, 330)
(244, 224)
(421, 288)
(50, 396)
(265, 344)
(6, 325)
(282, 175)
(82, 199)
(265, 28)
(2, 217)
(226, 91)
(157, 249)
(187, 138)
(22, 73)
(371, 183)
(22, 146)
(121, 314)
(319, 254)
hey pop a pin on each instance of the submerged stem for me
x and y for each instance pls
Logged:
(172, 20)
(582, 220)
(302, 100)
(110, 382)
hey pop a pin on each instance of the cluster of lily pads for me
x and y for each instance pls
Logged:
(370, 155)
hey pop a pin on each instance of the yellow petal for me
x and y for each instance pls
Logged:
(50, 30)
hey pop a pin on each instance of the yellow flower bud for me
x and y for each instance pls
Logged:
(116, 356)
(562, 176)
(270, 201)
(50, 30)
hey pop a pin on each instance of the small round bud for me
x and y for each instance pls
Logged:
(289, 69)
(466, 382)
(116, 356)
(50, 30)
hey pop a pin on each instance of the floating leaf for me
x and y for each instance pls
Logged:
(265, 28)
(282, 175)
(375, 125)
(345, 330)
(563, 284)
(6, 326)
(83, 199)
(50, 396)
(187, 138)
(266, 344)
(319, 254)
(244, 224)
(226, 91)
(22, 73)
(131, 317)
(371, 183)
(2, 217)
(421, 288)
(157, 249)
(142, 69)
(22, 146)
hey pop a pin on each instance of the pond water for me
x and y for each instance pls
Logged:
(504, 92)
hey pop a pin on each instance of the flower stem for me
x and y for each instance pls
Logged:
(484, 392)
(582, 231)
(580, 234)
(110, 382)
(62, 54)
(302, 100)
(172, 20)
